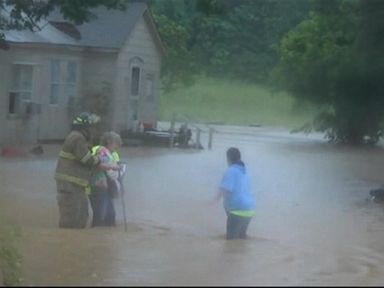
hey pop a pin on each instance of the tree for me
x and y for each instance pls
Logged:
(332, 59)
(26, 14)
(224, 37)
(236, 38)
(178, 65)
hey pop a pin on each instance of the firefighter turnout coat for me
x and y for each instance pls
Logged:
(75, 163)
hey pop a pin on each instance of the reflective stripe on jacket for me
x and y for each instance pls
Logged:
(75, 162)
(115, 155)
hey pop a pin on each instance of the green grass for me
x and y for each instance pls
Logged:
(212, 100)
(10, 258)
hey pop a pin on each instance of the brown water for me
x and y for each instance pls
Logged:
(314, 225)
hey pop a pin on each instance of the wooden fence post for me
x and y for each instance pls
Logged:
(210, 138)
(172, 139)
(197, 144)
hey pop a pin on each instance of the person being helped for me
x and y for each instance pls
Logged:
(73, 171)
(238, 201)
(105, 184)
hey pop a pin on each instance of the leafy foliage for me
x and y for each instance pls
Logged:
(331, 59)
(178, 65)
(10, 258)
(225, 38)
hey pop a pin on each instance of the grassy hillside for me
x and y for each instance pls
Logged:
(233, 102)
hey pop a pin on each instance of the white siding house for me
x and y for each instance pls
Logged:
(49, 67)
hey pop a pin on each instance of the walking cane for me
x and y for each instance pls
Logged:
(122, 190)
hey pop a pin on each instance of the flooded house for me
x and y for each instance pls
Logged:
(45, 72)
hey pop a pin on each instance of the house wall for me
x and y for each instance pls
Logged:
(141, 45)
(52, 122)
(99, 73)
(98, 68)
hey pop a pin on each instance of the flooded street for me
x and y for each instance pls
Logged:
(313, 225)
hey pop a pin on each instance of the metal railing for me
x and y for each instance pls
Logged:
(190, 122)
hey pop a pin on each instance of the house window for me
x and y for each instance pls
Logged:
(71, 79)
(149, 88)
(63, 81)
(135, 81)
(55, 82)
(21, 87)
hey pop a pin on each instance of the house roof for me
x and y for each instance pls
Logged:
(106, 30)
(47, 35)
(110, 29)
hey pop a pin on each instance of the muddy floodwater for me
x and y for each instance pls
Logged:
(313, 226)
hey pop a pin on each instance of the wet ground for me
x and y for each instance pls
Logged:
(314, 224)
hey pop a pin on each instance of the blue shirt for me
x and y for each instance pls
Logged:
(236, 187)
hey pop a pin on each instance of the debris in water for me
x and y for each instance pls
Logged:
(38, 150)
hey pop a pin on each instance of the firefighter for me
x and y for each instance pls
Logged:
(73, 172)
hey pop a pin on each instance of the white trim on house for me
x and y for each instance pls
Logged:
(25, 63)
(69, 47)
